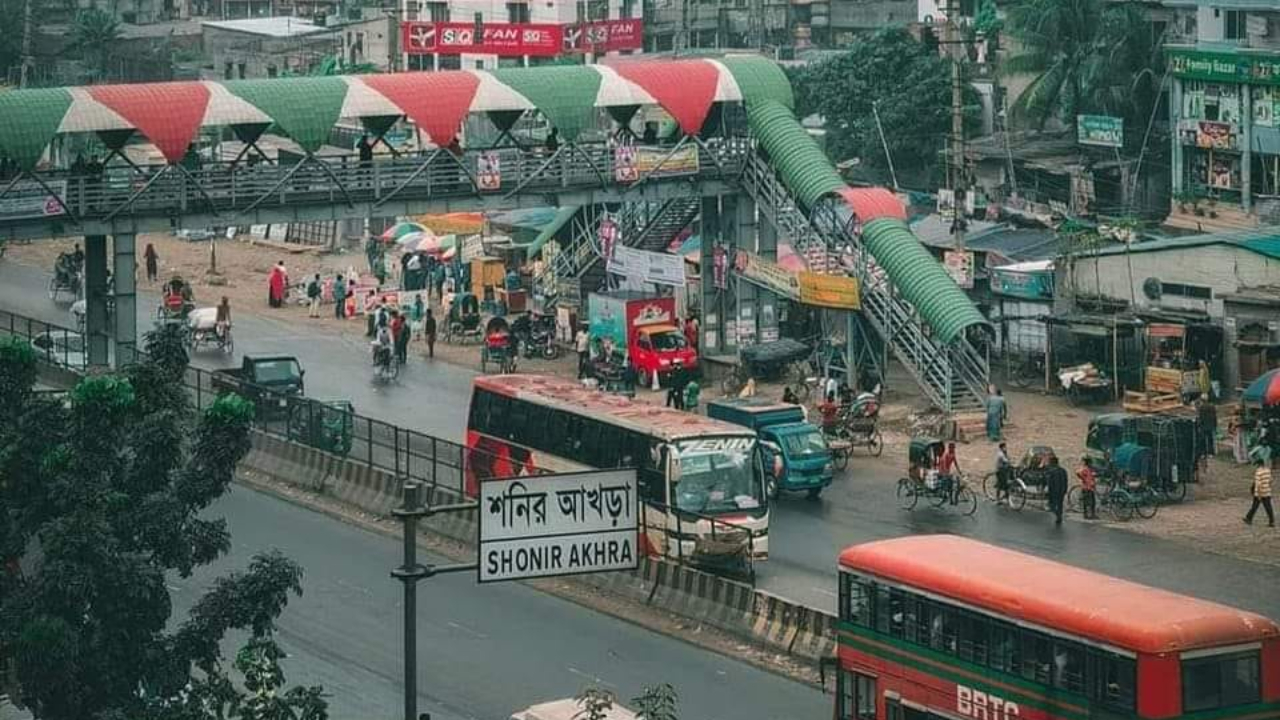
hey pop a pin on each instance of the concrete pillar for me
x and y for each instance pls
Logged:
(712, 340)
(1175, 157)
(1246, 158)
(95, 294)
(126, 317)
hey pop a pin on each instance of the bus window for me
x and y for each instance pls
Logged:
(1220, 681)
(592, 452)
(479, 420)
(1068, 667)
(499, 411)
(888, 612)
(971, 637)
(856, 600)
(517, 423)
(557, 439)
(609, 450)
(1111, 679)
(1037, 657)
(1004, 648)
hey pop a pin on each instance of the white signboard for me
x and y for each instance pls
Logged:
(650, 267)
(549, 525)
(27, 199)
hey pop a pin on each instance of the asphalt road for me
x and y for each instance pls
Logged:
(805, 538)
(484, 652)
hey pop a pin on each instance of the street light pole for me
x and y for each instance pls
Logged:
(958, 50)
(410, 572)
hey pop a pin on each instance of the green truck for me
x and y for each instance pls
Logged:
(796, 453)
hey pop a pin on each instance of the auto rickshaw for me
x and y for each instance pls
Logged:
(323, 424)
(499, 347)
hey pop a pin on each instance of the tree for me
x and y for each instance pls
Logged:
(95, 33)
(890, 72)
(595, 703)
(102, 495)
(657, 702)
(1086, 56)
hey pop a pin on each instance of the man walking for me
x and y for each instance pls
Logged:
(1057, 486)
(1088, 490)
(340, 298)
(429, 332)
(582, 343)
(313, 297)
(1003, 471)
(948, 472)
(1261, 493)
(996, 410)
(400, 332)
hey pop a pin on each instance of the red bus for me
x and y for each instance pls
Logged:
(693, 471)
(935, 627)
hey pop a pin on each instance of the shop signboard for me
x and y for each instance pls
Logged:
(605, 36)
(489, 171)
(555, 525)
(1100, 130)
(830, 291)
(1214, 135)
(659, 162)
(645, 266)
(766, 274)
(502, 39)
(625, 169)
(1027, 284)
(1223, 67)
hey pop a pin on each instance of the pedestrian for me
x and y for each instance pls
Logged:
(1003, 470)
(222, 318)
(152, 261)
(691, 331)
(1206, 428)
(582, 343)
(675, 388)
(339, 298)
(400, 332)
(996, 410)
(277, 282)
(313, 296)
(948, 471)
(1261, 493)
(789, 396)
(1088, 490)
(1057, 488)
(429, 332)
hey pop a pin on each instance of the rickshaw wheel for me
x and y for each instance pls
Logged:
(1175, 490)
(939, 497)
(876, 445)
(1145, 505)
(1017, 497)
(966, 500)
(989, 488)
(907, 495)
(1074, 503)
(1120, 503)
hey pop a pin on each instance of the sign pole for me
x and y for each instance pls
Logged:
(409, 573)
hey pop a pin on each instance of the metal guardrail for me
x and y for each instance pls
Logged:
(239, 188)
(728, 550)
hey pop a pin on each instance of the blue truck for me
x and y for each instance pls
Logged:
(796, 453)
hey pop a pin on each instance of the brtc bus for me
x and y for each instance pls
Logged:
(693, 472)
(935, 627)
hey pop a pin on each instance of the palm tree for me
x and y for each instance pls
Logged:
(95, 33)
(1087, 56)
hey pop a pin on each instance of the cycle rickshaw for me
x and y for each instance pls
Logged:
(1028, 480)
(924, 481)
(464, 318)
(203, 330)
(499, 347)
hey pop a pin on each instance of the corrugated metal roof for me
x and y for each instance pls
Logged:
(920, 278)
(804, 168)
(759, 79)
(872, 203)
(1258, 241)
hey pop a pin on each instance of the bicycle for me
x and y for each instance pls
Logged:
(910, 491)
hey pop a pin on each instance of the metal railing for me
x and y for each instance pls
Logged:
(727, 550)
(237, 188)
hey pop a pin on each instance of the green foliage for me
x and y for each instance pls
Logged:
(95, 33)
(987, 21)
(1087, 56)
(890, 71)
(102, 496)
(657, 702)
(595, 703)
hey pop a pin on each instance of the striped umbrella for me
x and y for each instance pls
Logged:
(1265, 391)
(399, 230)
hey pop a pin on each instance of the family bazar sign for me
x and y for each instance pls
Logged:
(1223, 67)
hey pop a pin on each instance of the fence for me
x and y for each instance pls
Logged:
(402, 453)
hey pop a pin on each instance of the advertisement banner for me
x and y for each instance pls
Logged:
(830, 291)
(959, 265)
(1215, 135)
(503, 39)
(650, 267)
(624, 164)
(489, 171)
(766, 274)
(1100, 130)
(605, 36)
(1223, 67)
(660, 162)
(27, 199)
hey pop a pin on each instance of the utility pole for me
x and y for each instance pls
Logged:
(410, 572)
(956, 169)
(26, 44)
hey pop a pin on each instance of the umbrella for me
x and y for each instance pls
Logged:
(399, 230)
(1265, 391)
(411, 240)
(449, 253)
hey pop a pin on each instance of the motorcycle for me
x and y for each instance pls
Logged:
(540, 342)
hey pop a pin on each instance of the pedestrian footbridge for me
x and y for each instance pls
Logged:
(729, 145)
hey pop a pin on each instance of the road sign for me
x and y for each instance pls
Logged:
(552, 525)
(1101, 130)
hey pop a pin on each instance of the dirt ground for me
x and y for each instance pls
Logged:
(1210, 519)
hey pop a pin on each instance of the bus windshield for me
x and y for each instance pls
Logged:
(717, 475)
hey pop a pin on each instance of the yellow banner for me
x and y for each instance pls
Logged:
(832, 291)
(663, 162)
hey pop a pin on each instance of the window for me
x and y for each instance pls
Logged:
(628, 9)
(1037, 657)
(1195, 292)
(1004, 647)
(1111, 680)
(1220, 681)
(857, 696)
(1236, 25)
(857, 598)
(438, 11)
(517, 12)
(1068, 667)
